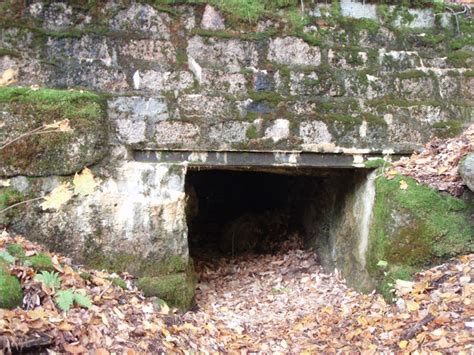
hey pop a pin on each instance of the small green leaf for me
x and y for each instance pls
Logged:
(382, 263)
(64, 299)
(7, 257)
(82, 300)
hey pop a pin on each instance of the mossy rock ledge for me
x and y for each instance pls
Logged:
(56, 153)
(414, 228)
(176, 289)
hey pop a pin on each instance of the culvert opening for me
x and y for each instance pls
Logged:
(233, 212)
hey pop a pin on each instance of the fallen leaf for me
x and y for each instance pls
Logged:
(8, 77)
(75, 349)
(56, 198)
(84, 183)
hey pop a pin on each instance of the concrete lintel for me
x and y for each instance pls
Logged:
(255, 158)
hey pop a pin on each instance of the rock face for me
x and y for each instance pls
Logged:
(176, 79)
(413, 227)
(54, 153)
(211, 19)
(466, 169)
(360, 86)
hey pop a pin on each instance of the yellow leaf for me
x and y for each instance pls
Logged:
(403, 344)
(8, 77)
(412, 306)
(4, 182)
(64, 126)
(164, 309)
(403, 185)
(56, 198)
(84, 183)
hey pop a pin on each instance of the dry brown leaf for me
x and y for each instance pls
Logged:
(75, 349)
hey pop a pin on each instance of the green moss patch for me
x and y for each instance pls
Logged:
(9, 196)
(375, 163)
(9, 52)
(117, 281)
(50, 153)
(41, 262)
(415, 227)
(136, 264)
(176, 289)
(449, 128)
(11, 294)
(461, 59)
(16, 250)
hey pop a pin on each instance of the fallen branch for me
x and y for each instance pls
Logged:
(414, 330)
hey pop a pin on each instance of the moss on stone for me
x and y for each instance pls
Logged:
(11, 294)
(415, 227)
(375, 163)
(461, 59)
(391, 101)
(271, 97)
(251, 132)
(412, 74)
(41, 262)
(449, 128)
(373, 119)
(9, 52)
(9, 196)
(48, 154)
(345, 119)
(176, 289)
(137, 264)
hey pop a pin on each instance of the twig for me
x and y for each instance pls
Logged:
(20, 203)
(22, 136)
(105, 290)
(414, 330)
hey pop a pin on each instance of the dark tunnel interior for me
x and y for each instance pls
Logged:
(233, 212)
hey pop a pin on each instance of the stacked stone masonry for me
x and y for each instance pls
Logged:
(178, 84)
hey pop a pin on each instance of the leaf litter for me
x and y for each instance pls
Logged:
(437, 165)
(281, 303)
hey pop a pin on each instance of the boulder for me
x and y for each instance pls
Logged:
(466, 169)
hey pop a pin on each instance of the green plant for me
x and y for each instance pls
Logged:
(50, 279)
(65, 299)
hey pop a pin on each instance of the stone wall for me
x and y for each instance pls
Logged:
(345, 78)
